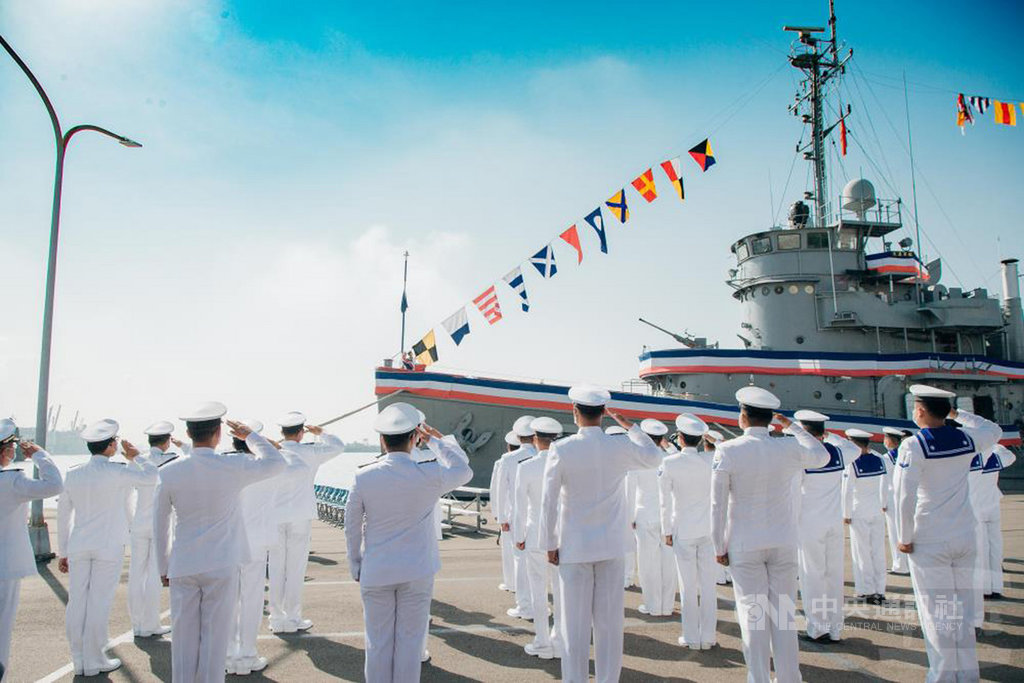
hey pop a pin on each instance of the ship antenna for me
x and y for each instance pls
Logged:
(913, 183)
(405, 301)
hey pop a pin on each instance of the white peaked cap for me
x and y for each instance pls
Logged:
(253, 425)
(756, 397)
(691, 425)
(7, 429)
(423, 418)
(894, 431)
(100, 431)
(161, 428)
(292, 419)
(715, 435)
(653, 427)
(925, 391)
(810, 416)
(546, 425)
(397, 418)
(511, 439)
(522, 427)
(858, 434)
(212, 410)
(589, 395)
(615, 429)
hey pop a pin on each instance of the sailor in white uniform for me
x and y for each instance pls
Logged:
(507, 500)
(712, 438)
(985, 497)
(585, 531)
(17, 488)
(685, 485)
(630, 577)
(389, 532)
(547, 642)
(753, 529)
(92, 531)
(865, 498)
(508, 568)
(935, 526)
(656, 564)
(261, 521)
(892, 437)
(210, 543)
(820, 529)
(289, 556)
(143, 578)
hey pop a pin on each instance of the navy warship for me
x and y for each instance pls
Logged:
(833, 316)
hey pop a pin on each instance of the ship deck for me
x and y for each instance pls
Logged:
(473, 640)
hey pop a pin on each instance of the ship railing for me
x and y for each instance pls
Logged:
(885, 212)
(330, 504)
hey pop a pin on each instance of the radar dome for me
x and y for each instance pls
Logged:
(859, 196)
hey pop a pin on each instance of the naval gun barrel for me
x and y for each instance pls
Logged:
(688, 342)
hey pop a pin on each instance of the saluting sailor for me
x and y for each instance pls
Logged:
(935, 526)
(92, 531)
(143, 578)
(508, 568)
(389, 531)
(892, 437)
(985, 497)
(685, 485)
(289, 556)
(865, 497)
(210, 543)
(16, 490)
(547, 642)
(585, 530)
(510, 463)
(820, 530)
(656, 565)
(754, 531)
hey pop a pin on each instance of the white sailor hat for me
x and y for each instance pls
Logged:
(522, 427)
(292, 419)
(511, 439)
(100, 431)
(253, 425)
(423, 418)
(161, 428)
(614, 429)
(589, 395)
(714, 435)
(691, 425)
(653, 427)
(810, 416)
(925, 391)
(7, 430)
(858, 434)
(546, 425)
(756, 397)
(397, 418)
(204, 412)
(894, 431)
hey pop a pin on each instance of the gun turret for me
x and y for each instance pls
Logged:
(685, 339)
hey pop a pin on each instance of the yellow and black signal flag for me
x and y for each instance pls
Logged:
(618, 206)
(703, 155)
(426, 349)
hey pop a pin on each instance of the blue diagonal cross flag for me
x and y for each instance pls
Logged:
(544, 262)
(514, 279)
(457, 325)
(596, 220)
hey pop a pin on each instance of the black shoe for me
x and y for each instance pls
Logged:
(995, 596)
(823, 639)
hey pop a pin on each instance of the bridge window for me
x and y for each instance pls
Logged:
(742, 252)
(761, 245)
(789, 240)
(817, 240)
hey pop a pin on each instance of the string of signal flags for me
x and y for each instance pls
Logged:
(1005, 112)
(487, 303)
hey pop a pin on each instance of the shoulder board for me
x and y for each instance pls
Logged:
(424, 462)
(375, 460)
(520, 462)
(167, 461)
(308, 443)
(75, 467)
(227, 453)
(10, 469)
(122, 464)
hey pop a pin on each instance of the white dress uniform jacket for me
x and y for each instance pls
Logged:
(985, 497)
(935, 515)
(752, 521)
(507, 484)
(865, 497)
(17, 560)
(143, 578)
(584, 504)
(656, 564)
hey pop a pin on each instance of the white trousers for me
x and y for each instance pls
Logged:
(395, 618)
(657, 569)
(867, 550)
(592, 601)
(91, 587)
(992, 555)
(524, 602)
(288, 573)
(252, 580)
(508, 568)
(630, 566)
(9, 590)
(942, 574)
(540, 575)
(143, 586)
(695, 563)
(821, 580)
(764, 583)
(899, 560)
(202, 613)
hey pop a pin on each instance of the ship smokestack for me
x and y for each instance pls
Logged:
(1012, 311)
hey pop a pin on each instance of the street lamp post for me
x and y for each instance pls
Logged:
(37, 525)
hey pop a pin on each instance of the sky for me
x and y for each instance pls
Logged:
(251, 251)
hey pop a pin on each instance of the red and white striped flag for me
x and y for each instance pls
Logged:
(488, 305)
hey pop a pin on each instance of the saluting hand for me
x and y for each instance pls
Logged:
(238, 430)
(782, 420)
(176, 442)
(427, 431)
(128, 449)
(623, 422)
(315, 430)
(28, 448)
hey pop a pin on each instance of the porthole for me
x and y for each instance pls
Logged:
(817, 394)
(779, 289)
(793, 289)
(765, 291)
(839, 397)
(809, 289)
(682, 385)
(800, 339)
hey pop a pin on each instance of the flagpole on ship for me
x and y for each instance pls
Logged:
(405, 302)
